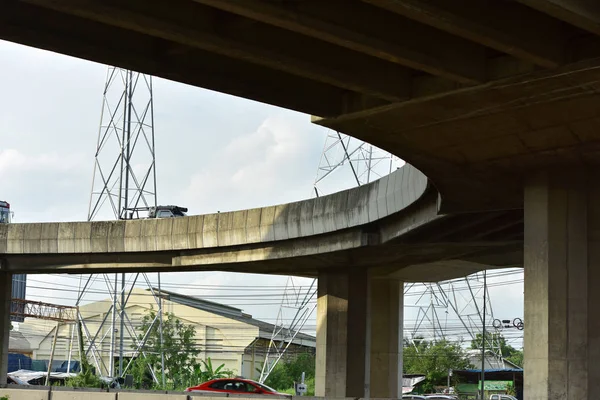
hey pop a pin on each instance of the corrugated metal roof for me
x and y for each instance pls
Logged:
(265, 328)
(491, 370)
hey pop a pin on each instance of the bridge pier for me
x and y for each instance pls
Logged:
(359, 336)
(562, 292)
(5, 300)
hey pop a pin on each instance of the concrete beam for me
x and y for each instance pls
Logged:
(582, 13)
(5, 302)
(504, 26)
(206, 28)
(127, 49)
(407, 43)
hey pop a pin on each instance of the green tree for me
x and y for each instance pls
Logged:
(180, 356)
(434, 360)
(180, 351)
(516, 358)
(508, 352)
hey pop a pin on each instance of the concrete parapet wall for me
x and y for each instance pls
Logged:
(25, 394)
(151, 396)
(46, 393)
(64, 394)
(342, 210)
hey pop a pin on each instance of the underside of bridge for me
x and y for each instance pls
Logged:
(496, 101)
(471, 92)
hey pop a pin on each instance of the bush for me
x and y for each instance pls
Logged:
(287, 372)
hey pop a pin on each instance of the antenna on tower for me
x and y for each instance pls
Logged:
(123, 184)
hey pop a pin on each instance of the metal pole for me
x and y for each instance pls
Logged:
(153, 146)
(160, 326)
(483, 336)
(70, 349)
(52, 354)
(120, 205)
(112, 330)
(369, 164)
(348, 157)
(128, 154)
(122, 327)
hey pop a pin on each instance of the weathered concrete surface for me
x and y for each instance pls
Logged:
(347, 209)
(25, 394)
(359, 335)
(153, 396)
(387, 338)
(392, 226)
(82, 395)
(332, 335)
(362, 227)
(562, 253)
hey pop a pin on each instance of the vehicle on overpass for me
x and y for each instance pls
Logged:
(235, 385)
(167, 212)
(4, 212)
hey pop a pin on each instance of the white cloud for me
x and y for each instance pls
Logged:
(271, 165)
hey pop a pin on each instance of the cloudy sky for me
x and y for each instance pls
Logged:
(214, 152)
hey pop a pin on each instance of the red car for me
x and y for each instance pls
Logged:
(235, 385)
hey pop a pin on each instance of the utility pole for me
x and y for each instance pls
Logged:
(483, 336)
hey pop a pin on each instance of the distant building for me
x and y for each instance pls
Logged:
(18, 344)
(225, 334)
(491, 361)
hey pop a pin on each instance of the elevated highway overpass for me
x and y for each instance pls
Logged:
(496, 102)
(391, 226)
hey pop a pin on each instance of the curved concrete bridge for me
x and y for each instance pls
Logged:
(369, 226)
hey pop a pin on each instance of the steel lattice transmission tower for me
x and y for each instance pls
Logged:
(345, 159)
(123, 185)
(448, 309)
(125, 164)
(300, 301)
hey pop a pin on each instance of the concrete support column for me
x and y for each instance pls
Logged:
(387, 304)
(359, 336)
(332, 334)
(5, 301)
(562, 281)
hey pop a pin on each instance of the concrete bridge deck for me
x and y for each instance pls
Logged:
(384, 226)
